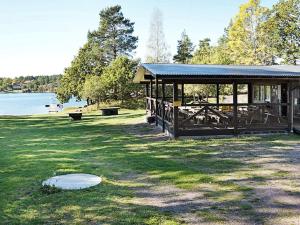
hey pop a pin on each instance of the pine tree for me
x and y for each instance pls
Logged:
(203, 54)
(185, 49)
(115, 34)
(113, 38)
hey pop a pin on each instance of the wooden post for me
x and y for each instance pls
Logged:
(182, 94)
(235, 107)
(151, 95)
(218, 95)
(147, 95)
(156, 101)
(175, 110)
(163, 106)
(250, 95)
(290, 108)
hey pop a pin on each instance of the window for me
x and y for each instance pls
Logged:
(261, 93)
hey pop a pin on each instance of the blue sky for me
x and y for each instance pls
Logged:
(42, 36)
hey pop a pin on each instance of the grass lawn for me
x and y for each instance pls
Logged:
(147, 179)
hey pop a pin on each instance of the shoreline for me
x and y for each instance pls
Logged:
(20, 92)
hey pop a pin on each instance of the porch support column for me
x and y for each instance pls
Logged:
(250, 91)
(182, 93)
(151, 96)
(235, 107)
(163, 106)
(175, 110)
(218, 95)
(156, 101)
(290, 108)
(147, 95)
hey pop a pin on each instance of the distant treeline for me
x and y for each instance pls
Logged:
(30, 84)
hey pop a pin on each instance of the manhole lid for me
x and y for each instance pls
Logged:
(73, 181)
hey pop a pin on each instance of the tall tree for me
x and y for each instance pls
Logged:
(114, 37)
(158, 51)
(244, 38)
(115, 34)
(185, 49)
(203, 54)
(283, 27)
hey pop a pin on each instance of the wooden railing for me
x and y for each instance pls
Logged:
(259, 116)
(207, 117)
(163, 109)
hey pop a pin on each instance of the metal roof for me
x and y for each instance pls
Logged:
(162, 70)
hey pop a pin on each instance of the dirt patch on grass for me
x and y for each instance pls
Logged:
(264, 190)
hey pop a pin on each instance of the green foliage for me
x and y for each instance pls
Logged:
(117, 79)
(246, 41)
(200, 90)
(85, 64)
(256, 36)
(31, 83)
(114, 35)
(203, 54)
(5, 84)
(283, 28)
(113, 38)
(115, 83)
(221, 54)
(207, 54)
(185, 49)
(93, 89)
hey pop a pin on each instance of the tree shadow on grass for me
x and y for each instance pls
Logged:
(34, 149)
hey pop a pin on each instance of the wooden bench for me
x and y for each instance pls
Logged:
(75, 115)
(110, 111)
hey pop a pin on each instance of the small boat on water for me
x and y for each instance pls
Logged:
(53, 108)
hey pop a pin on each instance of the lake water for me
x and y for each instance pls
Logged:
(30, 103)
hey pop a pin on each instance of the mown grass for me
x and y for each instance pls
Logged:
(34, 148)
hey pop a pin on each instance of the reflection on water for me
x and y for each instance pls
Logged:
(30, 103)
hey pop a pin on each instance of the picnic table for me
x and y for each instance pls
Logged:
(75, 115)
(110, 111)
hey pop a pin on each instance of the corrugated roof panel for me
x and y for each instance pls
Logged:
(221, 70)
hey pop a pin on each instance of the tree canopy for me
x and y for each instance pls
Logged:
(114, 35)
(256, 36)
(185, 49)
(103, 69)
(245, 35)
(112, 39)
(203, 54)
(283, 27)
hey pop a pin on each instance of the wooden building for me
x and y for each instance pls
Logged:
(193, 100)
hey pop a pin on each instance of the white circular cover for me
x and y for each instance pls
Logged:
(73, 181)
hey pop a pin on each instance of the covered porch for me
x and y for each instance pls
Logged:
(197, 100)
